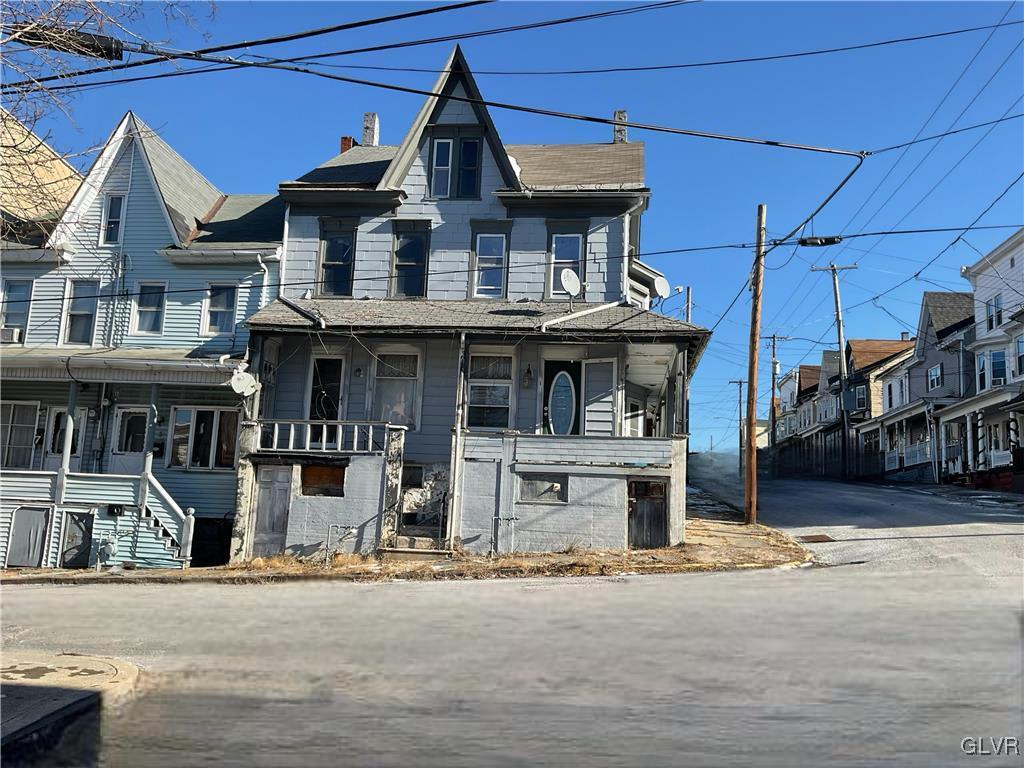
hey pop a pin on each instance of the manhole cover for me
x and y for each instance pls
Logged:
(814, 538)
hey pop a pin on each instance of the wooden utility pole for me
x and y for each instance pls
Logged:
(689, 303)
(739, 424)
(844, 413)
(756, 281)
(772, 438)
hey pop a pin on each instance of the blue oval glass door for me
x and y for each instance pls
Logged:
(562, 404)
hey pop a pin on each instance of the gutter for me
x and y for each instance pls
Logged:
(581, 313)
(320, 322)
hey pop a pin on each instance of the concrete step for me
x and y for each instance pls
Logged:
(405, 553)
(404, 541)
(419, 530)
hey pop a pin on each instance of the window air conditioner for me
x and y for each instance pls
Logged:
(998, 381)
(10, 335)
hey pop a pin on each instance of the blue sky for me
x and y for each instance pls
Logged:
(249, 129)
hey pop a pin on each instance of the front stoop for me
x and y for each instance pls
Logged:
(415, 547)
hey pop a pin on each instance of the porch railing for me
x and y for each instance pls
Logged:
(892, 460)
(290, 435)
(918, 453)
(1000, 458)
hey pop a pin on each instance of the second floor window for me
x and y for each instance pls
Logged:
(566, 253)
(998, 367)
(81, 319)
(982, 371)
(441, 168)
(935, 377)
(410, 271)
(455, 167)
(862, 397)
(994, 311)
(490, 266)
(888, 391)
(149, 308)
(220, 310)
(337, 261)
(113, 212)
(1019, 343)
(17, 299)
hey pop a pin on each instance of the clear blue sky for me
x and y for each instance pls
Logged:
(247, 130)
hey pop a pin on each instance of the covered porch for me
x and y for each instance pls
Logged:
(980, 437)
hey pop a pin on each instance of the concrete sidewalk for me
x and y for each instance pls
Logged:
(53, 705)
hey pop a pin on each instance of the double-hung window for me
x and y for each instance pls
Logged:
(17, 434)
(455, 167)
(337, 258)
(998, 366)
(396, 390)
(980, 361)
(994, 312)
(490, 391)
(17, 300)
(113, 213)
(149, 308)
(567, 245)
(81, 319)
(219, 316)
(1019, 344)
(203, 438)
(935, 377)
(862, 397)
(412, 241)
(491, 253)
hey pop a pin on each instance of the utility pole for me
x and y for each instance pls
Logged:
(775, 339)
(844, 445)
(756, 281)
(739, 423)
(689, 303)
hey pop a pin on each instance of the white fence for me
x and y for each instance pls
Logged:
(918, 453)
(289, 435)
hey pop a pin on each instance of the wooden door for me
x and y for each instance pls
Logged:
(648, 514)
(273, 498)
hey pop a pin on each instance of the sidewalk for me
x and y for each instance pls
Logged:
(53, 705)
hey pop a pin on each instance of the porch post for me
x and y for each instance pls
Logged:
(971, 435)
(248, 443)
(453, 527)
(982, 442)
(69, 437)
(147, 461)
(677, 492)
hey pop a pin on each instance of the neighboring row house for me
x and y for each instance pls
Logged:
(445, 344)
(946, 405)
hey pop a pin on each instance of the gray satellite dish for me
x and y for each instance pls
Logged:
(570, 282)
(243, 383)
(661, 287)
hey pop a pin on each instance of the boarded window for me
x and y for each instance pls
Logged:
(323, 480)
(534, 486)
(412, 476)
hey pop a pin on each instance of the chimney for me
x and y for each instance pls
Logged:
(619, 131)
(347, 142)
(904, 335)
(371, 129)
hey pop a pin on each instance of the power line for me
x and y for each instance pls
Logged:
(948, 133)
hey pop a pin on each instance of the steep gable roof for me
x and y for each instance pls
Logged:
(455, 71)
(949, 310)
(867, 353)
(829, 367)
(809, 375)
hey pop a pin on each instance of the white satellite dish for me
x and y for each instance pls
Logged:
(570, 282)
(243, 383)
(661, 287)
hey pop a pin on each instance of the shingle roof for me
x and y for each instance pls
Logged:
(868, 352)
(188, 195)
(243, 221)
(949, 309)
(431, 315)
(829, 363)
(540, 166)
(809, 375)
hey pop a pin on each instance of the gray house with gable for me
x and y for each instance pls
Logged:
(426, 379)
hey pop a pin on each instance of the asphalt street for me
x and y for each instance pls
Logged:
(892, 661)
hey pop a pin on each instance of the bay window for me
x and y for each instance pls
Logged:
(490, 391)
(203, 438)
(396, 390)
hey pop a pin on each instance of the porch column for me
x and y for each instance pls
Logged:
(147, 461)
(982, 442)
(677, 492)
(970, 442)
(69, 437)
(1014, 437)
(248, 443)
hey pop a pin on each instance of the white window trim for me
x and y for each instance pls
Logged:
(116, 434)
(134, 325)
(79, 427)
(856, 397)
(939, 377)
(35, 425)
(558, 293)
(65, 323)
(191, 435)
(31, 293)
(982, 358)
(204, 328)
(495, 351)
(433, 165)
(544, 502)
(343, 396)
(397, 349)
(504, 265)
(103, 243)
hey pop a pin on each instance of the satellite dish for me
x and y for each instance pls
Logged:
(661, 287)
(243, 383)
(570, 282)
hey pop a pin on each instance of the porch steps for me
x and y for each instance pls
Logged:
(169, 543)
(404, 541)
(407, 553)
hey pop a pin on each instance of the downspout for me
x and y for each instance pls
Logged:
(265, 281)
(455, 470)
(626, 246)
(320, 322)
(283, 268)
(581, 313)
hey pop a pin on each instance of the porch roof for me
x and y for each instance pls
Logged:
(447, 316)
(117, 363)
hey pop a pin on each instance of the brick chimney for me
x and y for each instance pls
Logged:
(371, 129)
(619, 131)
(347, 142)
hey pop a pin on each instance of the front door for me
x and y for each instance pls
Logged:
(562, 389)
(648, 519)
(128, 447)
(28, 537)
(273, 496)
(53, 449)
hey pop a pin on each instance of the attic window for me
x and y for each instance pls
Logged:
(455, 167)
(113, 207)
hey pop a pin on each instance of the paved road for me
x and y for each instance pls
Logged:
(890, 663)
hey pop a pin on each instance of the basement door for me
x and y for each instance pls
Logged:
(28, 537)
(77, 540)
(648, 514)
(273, 497)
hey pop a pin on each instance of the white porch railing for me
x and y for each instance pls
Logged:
(176, 521)
(290, 435)
(918, 453)
(892, 460)
(1000, 458)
